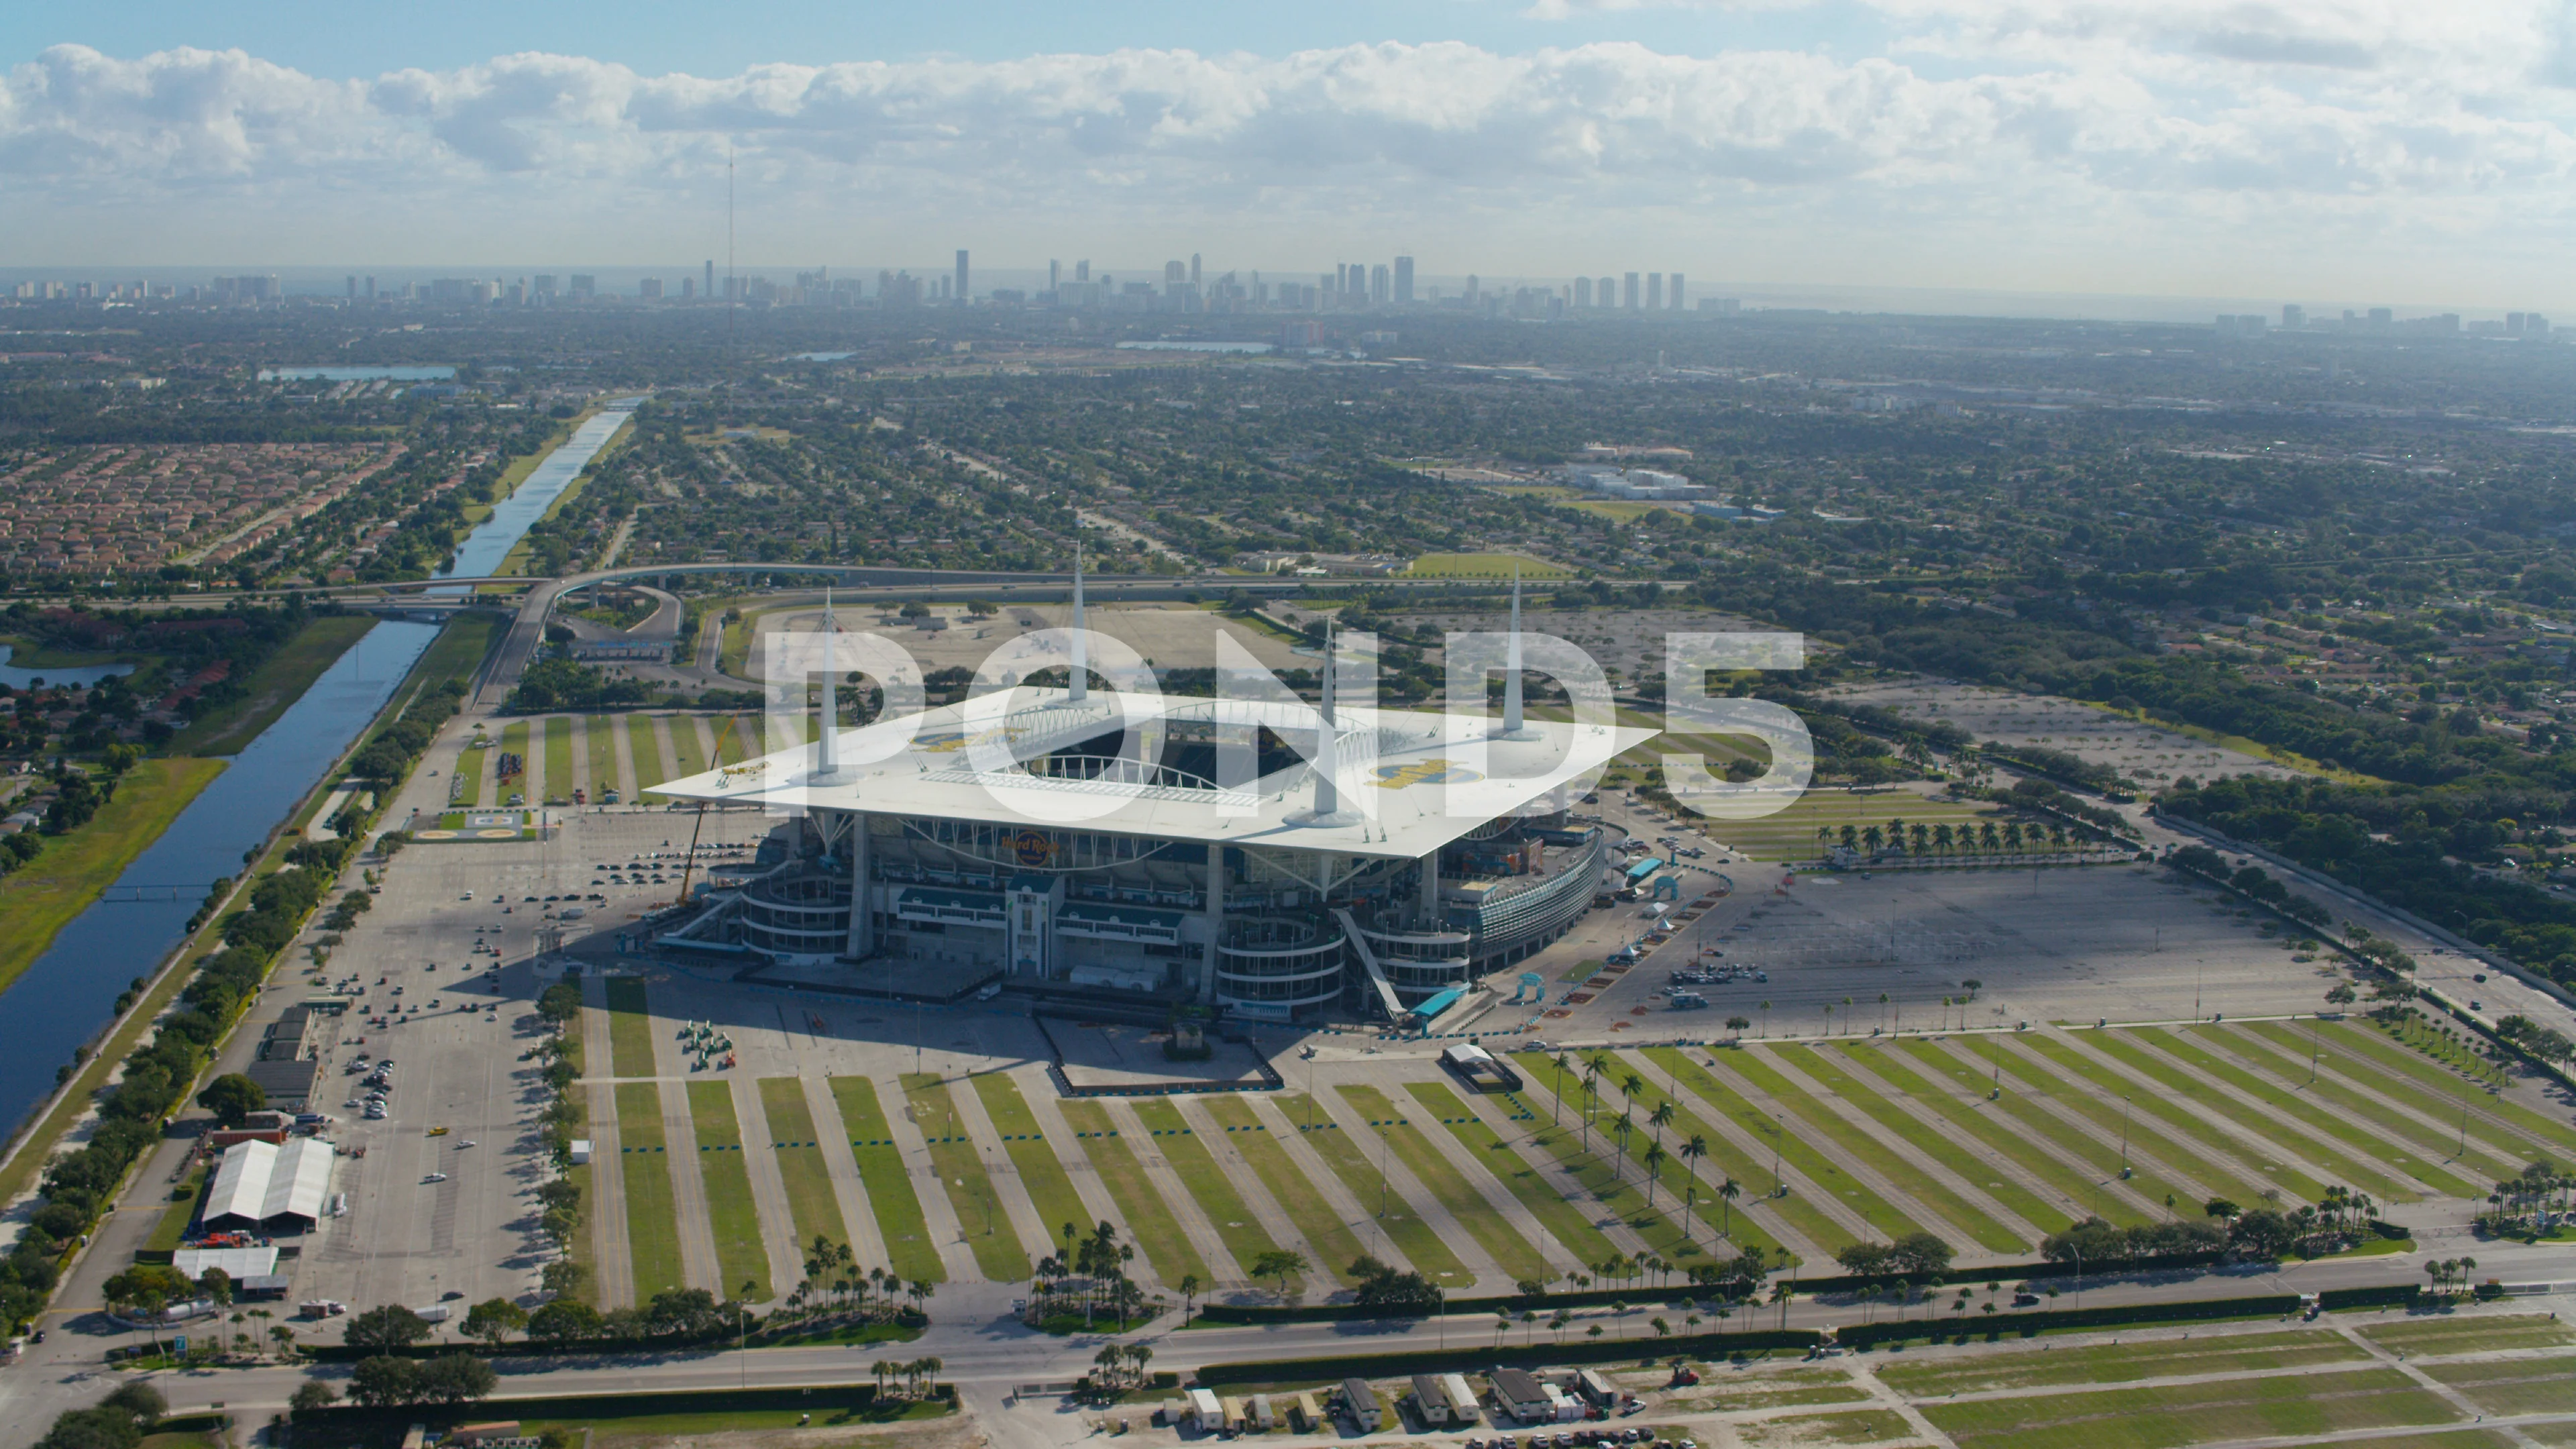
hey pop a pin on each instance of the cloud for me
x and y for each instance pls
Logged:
(1994, 123)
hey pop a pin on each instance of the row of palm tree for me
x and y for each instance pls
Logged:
(1660, 1116)
(915, 1373)
(1122, 1363)
(832, 1273)
(1940, 839)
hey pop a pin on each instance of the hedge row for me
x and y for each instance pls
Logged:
(2269, 1305)
(818, 1401)
(1600, 1350)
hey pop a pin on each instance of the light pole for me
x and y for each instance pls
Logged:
(2124, 1139)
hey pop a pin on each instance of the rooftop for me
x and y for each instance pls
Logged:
(1410, 781)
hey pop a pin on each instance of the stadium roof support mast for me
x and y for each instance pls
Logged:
(827, 745)
(1328, 791)
(1515, 727)
(1081, 689)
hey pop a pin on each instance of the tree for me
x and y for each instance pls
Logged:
(232, 1097)
(2260, 1234)
(384, 1381)
(565, 1320)
(1727, 1192)
(313, 1394)
(1654, 1158)
(386, 1329)
(1280, 1265)
(494, 1320)
(454, 1378)
(141, 1400)
(1190, 1286)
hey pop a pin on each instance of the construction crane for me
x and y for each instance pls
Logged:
(689, 866)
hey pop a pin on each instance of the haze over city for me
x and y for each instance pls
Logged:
(2355, 152)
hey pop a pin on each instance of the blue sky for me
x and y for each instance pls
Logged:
(2334, 152)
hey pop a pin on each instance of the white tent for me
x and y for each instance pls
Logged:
(261, 1184)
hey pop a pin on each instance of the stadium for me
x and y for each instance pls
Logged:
(1265, 857)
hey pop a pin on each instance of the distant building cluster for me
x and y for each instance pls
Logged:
(137, 507)
(2384, 320)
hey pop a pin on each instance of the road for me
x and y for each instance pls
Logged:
(987, 1354)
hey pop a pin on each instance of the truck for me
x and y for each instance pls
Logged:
(1689, 1001)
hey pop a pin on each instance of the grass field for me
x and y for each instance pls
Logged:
(559, 781)
(1147, 1218)
(1591, 1168)
(42, 897)
(1492, 1229)
(2283, 1101)
(1191, 1162)
(271, 688)
(630, 1028)
(600, 744)
(688, 745)
(466, 789)
(2445, 1047)
(1860, 1426)
(1791, 834)
(735, 1217)
(2312, 1406)
(644, 742)
(2030, 1368)
(651, 1425)
(1815, 1171)
(652, 1212)
(1042, 1174)
(2471, 1333)
(2515, 1386)
(2359, 1053)
(1830, 1071)
(1484, 566)
(1351, 1154)
(996, 1244)
(2187, 1091)
(2159, 1166)
(738, 738)
(1901, 1170)
(891, 1200)
(811, 1204)
(1545, 1205)
(514, 741)
(2271, 1052)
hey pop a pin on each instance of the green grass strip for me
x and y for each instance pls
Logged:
(1757, 1066)
(514, 741)
(2444, 1046)
(1821, 1176)
(1601, 1183)
(2186, 1089)
(2031, 1085)
(2118, 1363)
(1493, 1232)
(1546, 1206)
(1287, 1182)
(599, 743)
(559, 780)
(644, 742)
(1905, 1173)
(741, 1257)
(1963, 1106)
(1042, 1175)
(630, 1028)
(2286, 1107)
(1149, 1219)
(76, 868)
(1919, 1124)
(2396, 1130)
(272, 688)
(688, 747)
(2309, 1407)
(2364, 1040)
(802, 1168)
(909, 1250)
(2183, 1113)
(467, 791)
(1198, 1171)
(2363, 1059)
(2093, 1095)
(1389, 1213)
(1750, 1220)
(652, 1212)
(740, 739)
(996, 1244)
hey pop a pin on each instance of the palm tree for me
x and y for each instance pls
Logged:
(1737, 1024)
(2012, 836)
(1654, 1160)
(1882, 1010)
(1921, 835)
(1190, 1286)
(1564, 1061)
(1850, 836)
(1692, 1151)
(1896, 831)
(1727, 1192)
(1766, 1020)
(1870, 836)
(1941, 837)
(1661, 1118)
(1988, 836)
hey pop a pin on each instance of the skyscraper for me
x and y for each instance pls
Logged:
(1676, 299)
(1632, 291)
(1654, 291)
(1055, 273)
(961, 277)
(1381, 285)
(1194, 269)
(1082, 271)
(1404, 281)
(1583, 291)
(707, 288)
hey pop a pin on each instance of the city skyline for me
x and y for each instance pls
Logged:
(2325, 150)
